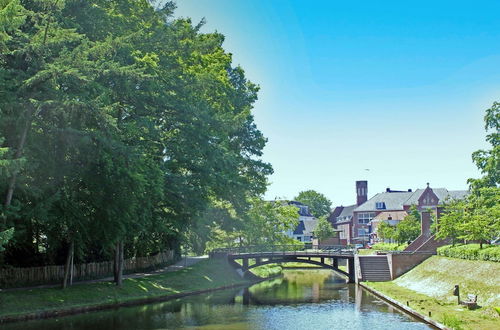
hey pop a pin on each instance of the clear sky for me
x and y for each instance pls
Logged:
(389, 91)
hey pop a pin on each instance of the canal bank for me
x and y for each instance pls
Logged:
(428, 288)
(205, 276)
(299, 299)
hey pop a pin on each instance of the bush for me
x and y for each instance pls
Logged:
(389, 247)
(470, 252)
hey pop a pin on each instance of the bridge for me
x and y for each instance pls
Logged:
(324, 256)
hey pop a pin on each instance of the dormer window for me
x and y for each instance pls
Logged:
(380, 205)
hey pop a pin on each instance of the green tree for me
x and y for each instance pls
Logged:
(385, 231)
(408, 229)
(5, 237)
(477, 218)
(449, 223)
(324, 228)
(318, 204)
(266, 223)
(488, 161)
(132, 125)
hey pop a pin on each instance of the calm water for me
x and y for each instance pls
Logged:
(301, 299)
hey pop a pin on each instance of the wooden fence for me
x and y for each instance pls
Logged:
(10, 277)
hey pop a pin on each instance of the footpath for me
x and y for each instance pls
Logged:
(192, 275)
(184, 262)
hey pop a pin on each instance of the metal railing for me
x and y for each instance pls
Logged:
(306, 249)
(382, 252)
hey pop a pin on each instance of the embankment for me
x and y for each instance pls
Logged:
(204, 276)
(429, 288)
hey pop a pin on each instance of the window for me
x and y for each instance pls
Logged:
(362, 232)
(380, 205)
(365, 217)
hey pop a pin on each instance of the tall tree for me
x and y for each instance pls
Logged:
(477, 218)
(324, 229)
(132, 125)
(318, 204)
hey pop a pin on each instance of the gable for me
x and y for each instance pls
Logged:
(428, 198)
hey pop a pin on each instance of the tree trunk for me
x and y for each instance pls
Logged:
(68, 264)
(120, 265)
(115, 263)
(71, 264)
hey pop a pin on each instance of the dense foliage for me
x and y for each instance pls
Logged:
(471, 252)
(405, 231)
(123, 125)
(265, 223)
(477, 218)
(318, 204)
(324, 229)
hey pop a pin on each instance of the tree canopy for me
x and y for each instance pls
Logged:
(318, 204)
(129, 123)
(477, 218)
(324, 229)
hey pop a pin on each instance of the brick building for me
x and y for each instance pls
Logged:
(356, 221)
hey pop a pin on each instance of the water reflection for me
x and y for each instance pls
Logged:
(301, 299)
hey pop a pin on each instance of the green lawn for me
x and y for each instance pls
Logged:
(429, 287)
(207, 274)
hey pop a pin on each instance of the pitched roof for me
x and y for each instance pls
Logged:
(299, 230)
(393, 201)
(310, 226)
(341, 211)
(442, 193)
(303, 209)
(347, 210)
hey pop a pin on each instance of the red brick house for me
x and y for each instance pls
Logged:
(341, 216)
(355, 221)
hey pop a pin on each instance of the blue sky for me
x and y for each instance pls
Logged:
(396, 87)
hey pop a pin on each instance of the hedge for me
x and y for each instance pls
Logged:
(471, 252)
(389, 247)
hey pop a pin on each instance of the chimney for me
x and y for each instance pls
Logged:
(387, 189)
(426, 224)
(361, 192)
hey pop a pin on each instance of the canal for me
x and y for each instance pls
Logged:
(300, 299)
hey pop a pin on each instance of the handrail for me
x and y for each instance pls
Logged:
(287, 249)
(404, 252)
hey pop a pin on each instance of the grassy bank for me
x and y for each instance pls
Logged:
(429, 286)
(382, 247)
(204, 275)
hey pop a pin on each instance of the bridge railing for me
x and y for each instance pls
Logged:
(281, 249)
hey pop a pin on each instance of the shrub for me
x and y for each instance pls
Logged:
(470, 252)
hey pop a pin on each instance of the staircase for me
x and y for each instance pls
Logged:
(374, 268)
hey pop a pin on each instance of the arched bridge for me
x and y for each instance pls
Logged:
(324, 256)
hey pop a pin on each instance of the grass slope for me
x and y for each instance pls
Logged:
(204, 275)
(429, 287)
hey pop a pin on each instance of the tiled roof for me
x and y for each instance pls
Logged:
(303, 209)
(310, 226)
(299, 230)
(442, 193)
(347, 210)
(392, 200)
